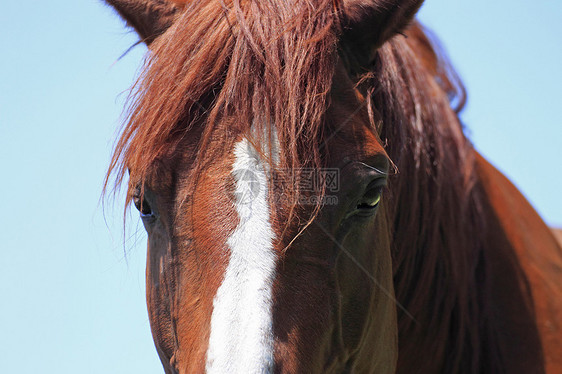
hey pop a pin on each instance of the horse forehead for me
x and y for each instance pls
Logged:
(214, 189)
(353, 137)
(351, 131)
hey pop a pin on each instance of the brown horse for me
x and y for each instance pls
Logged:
(312, 204)
(558, 234)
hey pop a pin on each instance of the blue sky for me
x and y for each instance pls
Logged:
(71, 301)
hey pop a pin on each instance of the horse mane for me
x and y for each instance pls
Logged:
(438, 208)
(439, 223)
(233, 63)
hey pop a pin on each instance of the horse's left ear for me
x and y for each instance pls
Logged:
(149, 18)
(367, 24)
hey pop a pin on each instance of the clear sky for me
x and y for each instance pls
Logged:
(70, 300)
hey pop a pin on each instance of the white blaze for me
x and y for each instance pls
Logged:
(241, 338)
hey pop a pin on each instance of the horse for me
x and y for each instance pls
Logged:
(313, 205)
(558, 234)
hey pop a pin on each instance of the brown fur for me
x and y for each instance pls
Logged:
(480, 298)
(179, 88)
(558, 234)
(149, 18)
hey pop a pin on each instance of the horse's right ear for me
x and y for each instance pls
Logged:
(368, 24)
(149, 18)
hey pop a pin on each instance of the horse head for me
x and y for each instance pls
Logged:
(257, 166)
(311, 202)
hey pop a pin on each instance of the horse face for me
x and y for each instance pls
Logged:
(226, 293)
(234, 283)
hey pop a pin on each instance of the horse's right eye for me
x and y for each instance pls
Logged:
(143, 207)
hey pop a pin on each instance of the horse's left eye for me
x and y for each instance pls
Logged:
(142, 206)
(370, 200)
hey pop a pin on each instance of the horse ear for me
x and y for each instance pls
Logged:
(149, 18)
(368, 24)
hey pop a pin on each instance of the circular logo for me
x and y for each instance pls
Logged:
(248, 186)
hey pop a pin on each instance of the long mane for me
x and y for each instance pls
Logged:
(441, 218)
(437, 208)
(234, 64)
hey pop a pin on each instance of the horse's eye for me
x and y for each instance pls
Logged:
(370, 200)
(142, 206)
